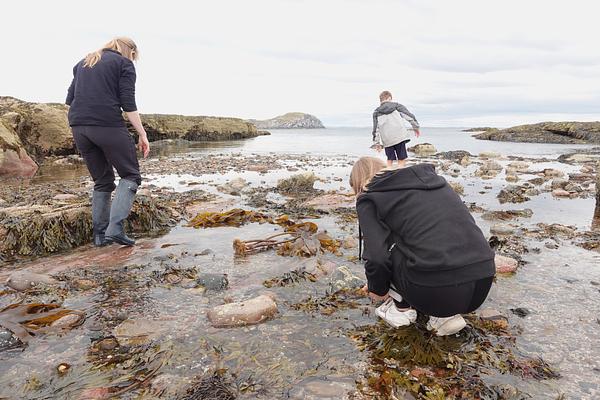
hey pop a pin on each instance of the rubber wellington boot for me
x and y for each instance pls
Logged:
(119, 210)
(100, 216)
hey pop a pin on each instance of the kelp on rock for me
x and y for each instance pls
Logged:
(37, 230)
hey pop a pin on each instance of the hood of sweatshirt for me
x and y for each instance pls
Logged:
(421, 176)
(387, 107)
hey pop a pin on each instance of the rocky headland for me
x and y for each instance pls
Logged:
(30, 132)
(546, 132)
(292, 120)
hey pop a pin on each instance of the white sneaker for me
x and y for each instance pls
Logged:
(394, 317)
(446, 326)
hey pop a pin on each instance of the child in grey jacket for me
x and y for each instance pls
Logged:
(389, 130)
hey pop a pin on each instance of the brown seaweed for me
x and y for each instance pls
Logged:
(25, 320)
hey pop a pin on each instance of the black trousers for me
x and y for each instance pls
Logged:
(444, 301)
(103, 148)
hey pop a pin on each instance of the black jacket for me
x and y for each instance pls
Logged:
(434, 240)
(98, 94)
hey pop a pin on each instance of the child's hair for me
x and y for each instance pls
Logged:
(363, 171)
(385, 95)
(123, 45)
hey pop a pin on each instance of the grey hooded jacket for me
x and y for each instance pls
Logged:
(388, 125)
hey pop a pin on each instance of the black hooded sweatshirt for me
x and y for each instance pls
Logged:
(417, 229)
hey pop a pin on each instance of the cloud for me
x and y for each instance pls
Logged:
(449, 62)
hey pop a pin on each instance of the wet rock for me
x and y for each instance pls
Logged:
(322, 388)
(520, 312)
(343, 278)
(14, 159)
(495, 317)
(553, 173)
(489, 154)
(460, 156)
(234, 187)
(68, 321)
(144, 192)
(558, 183)
(107, 344)
(457, 187)
(502, 230)
(536, 181)
(573, 188)
(331, 201)
(532, 192)
(507, 214)
(213, 281)
(23, 280)
(489, 169)
(350, 243)
(423, 149)
(513, 194)
(139, 331)
(505, 264)
(519, 166)
(249, 312)
(560, 193)
(8, 340)
(65, 197)
(206, 252)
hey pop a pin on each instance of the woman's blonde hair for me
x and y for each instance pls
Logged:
(123, 45)
(363, 171)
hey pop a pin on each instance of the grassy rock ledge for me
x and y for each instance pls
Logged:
(547, 132)
(29, 132)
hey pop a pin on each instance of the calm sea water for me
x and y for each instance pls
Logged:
(356, 142)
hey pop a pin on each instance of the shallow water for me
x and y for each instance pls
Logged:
(284, 354)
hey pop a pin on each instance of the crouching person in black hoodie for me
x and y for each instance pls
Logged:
(423, 249)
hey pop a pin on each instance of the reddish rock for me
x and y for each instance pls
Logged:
(505, 265)
(249, 312)
(560, 193)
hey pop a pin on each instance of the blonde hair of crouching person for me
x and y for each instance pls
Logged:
(423, 251)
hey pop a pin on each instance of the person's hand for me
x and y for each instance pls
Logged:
(374, 297)
(379, 148)
(417, 132)
(144, 145)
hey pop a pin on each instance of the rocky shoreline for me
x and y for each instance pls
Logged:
(545, 132)
(30, 132)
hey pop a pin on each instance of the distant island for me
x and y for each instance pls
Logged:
(292, 120)
(545, 132)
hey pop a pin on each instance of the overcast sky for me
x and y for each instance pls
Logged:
(453, 63)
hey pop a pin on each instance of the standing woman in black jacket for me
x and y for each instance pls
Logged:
(423, 249)
(103, 87)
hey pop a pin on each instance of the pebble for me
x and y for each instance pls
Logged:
(249, 312)
(65, 197)
(213, 281)
(560, 193)
(23, 280)
(489, 154)
(350, 243)
(512, 178)
(558, 183)
(551, 172)
(67, 322)
(343, 278)
(520, 312)
(322, 388)
(505, 264)
(502, 230)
